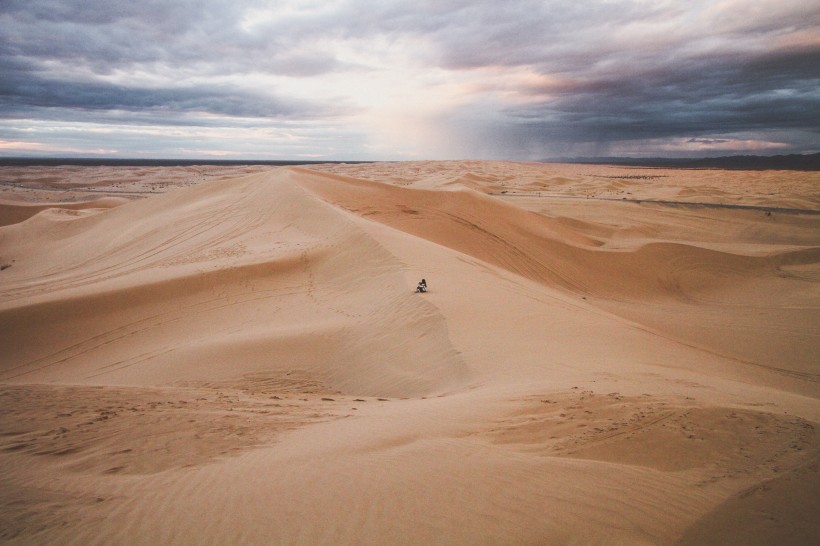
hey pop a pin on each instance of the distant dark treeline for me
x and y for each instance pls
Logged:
(794, 162)
(115, 162)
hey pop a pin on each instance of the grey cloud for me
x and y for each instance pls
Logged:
(617, 70)
(707, 140)
(105, 36)
(693, 97)
(21, 97)
(178, 14)
(53, 55)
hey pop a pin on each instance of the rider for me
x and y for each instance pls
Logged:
(422, 287)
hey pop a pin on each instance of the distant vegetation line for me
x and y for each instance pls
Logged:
(140, 162)
(792, 162)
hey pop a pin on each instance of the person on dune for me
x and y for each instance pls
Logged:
(422, 287)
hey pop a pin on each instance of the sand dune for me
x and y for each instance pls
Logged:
(210, 284)
(244, 360)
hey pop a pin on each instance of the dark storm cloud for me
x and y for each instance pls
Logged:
(694, 95)
(115, 34)
(55, 54)
(629, 71)
(24, 97)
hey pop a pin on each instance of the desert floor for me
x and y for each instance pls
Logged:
(217, 355)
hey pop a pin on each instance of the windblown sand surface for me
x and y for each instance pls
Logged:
(606, 355)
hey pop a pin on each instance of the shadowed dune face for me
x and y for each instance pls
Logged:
(244, 360)
(550, 251)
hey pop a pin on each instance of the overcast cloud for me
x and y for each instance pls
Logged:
(374, 79)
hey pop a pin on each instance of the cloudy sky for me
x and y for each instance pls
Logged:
(422, 79)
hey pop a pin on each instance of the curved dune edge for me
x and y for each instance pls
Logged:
(245, 361)
(13, 212)
(547, 250)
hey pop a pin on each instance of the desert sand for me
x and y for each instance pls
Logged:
(606, 355)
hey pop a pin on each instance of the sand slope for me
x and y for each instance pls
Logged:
(244, 361)
(212, 283)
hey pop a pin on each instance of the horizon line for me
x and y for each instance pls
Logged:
(797, 161)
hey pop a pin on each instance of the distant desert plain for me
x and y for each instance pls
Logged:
(237, 355)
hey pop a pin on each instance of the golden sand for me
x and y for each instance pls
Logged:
(606, 355)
